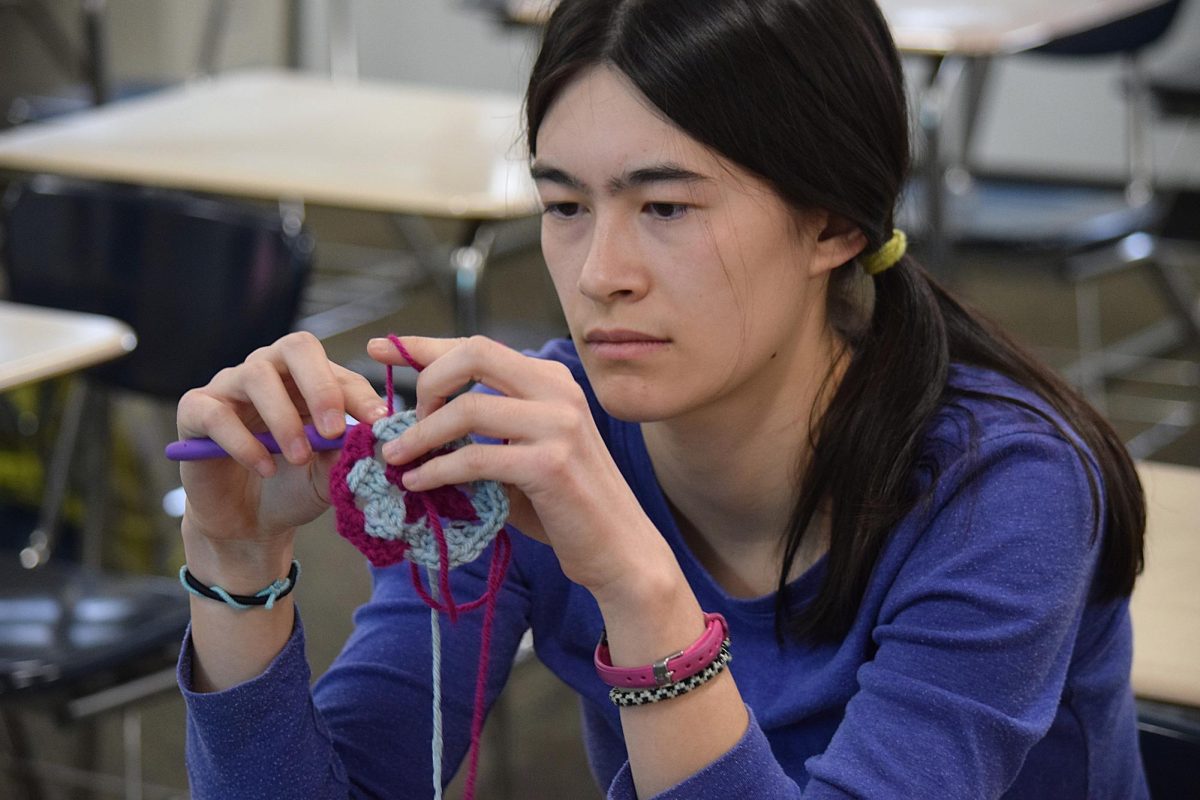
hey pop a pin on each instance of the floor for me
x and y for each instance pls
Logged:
(538, 749)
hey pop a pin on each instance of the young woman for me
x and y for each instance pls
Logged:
(921, 542)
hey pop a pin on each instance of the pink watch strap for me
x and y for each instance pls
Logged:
(672, 668)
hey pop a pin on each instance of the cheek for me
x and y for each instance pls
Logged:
(719, 278)
(563, 265)
(755, 289)
(558, 255)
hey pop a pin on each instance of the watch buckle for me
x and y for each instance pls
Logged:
(663, 675)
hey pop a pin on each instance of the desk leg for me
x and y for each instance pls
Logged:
(57, 471)
(468, 263)
(95, 59)
(94, 454)
(22, 775)
(958, 177)
(931, 116)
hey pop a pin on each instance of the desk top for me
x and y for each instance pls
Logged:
(962, 27)
(38, 343)
(278, 135)
(1166, 602)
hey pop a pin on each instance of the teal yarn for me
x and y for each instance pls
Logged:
(386, 515)
(435, 638)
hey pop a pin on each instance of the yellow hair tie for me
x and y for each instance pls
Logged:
(887, 256)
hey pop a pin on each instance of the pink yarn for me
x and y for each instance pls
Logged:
(446, 502)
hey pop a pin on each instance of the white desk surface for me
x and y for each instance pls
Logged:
(1166, 599)
(281, 135)
(38, 343)
(961, 27)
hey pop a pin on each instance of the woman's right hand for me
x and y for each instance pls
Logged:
(254, 498)
(242, 512)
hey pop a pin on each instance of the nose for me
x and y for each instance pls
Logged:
(613, 270)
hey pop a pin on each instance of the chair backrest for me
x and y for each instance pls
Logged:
(203, 282)
(1123, 36)
(1169, 740)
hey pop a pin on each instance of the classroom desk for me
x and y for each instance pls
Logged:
(1166, 600)
(956, 27)
(38, 343)
(275, 135)
(271, 135)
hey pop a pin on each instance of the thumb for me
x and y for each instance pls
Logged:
(319, 470)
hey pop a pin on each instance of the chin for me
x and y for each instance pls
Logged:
(636, 399)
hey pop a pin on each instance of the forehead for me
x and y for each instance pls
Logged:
(601, 121)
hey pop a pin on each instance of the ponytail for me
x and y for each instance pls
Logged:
(867, 443)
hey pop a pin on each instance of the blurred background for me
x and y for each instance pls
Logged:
(1065, 166)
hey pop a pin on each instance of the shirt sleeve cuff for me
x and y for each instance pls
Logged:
(228, 730)
(748, 769)
(288, 668)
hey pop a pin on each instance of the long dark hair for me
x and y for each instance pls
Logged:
(809, 95)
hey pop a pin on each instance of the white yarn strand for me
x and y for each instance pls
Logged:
(435, 640)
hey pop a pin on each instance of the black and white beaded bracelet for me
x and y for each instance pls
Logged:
(640, 697)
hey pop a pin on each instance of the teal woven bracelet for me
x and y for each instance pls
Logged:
(263, 599)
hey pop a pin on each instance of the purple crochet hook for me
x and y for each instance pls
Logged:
(198, 449)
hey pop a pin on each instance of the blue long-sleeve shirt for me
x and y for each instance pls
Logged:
(977, 666)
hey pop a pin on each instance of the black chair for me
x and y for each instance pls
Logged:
(202, 282)
(1169, 737)
(1083, 232)
(1047, 217)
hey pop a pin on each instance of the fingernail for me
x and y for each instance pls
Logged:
(332, 423)
(298, 450)
(412, 480)
(379, 413)
(265, 468)
(392, 449)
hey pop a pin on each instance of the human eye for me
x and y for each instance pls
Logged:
(564, 210)
(667, 211)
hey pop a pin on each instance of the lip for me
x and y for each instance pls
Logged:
(620, 336)
(622, 344)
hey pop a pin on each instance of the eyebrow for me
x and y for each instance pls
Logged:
(657, 173)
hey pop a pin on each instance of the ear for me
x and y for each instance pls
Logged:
(837, 241)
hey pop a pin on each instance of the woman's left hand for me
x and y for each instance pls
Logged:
(563, 486)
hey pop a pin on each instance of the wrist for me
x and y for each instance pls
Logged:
(241, 566)
(640, 572)
(649, 613)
